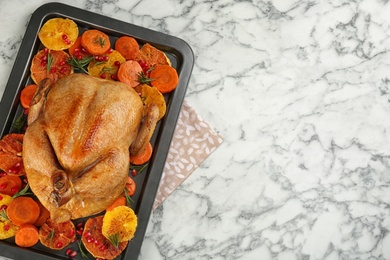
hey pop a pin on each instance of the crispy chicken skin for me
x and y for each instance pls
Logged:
(76, 146)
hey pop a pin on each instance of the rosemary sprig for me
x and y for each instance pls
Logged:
(23, 192)
(143, 79)
(49, 63)
(129, 200)
(139, 168)
(100, 40)
(83, 254)
(80, 64)
(50, 236)
(114, 239)
(3, 214)
(19, 123)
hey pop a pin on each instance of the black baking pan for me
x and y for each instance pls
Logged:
(182, 58)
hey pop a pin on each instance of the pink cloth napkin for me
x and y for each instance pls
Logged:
(193, 141)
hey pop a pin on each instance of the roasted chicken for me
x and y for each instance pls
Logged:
(76, 146)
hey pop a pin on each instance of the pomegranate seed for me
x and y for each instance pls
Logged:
(102, 248)
(43, 63)
(117, 63)
(103, 76)
(79, 232)
(2, 174)
(6, 227)
(90, 240)
(25, 180)
(59, 244)
(101, 58)
(68, 251)
(74, 239)
(3, 186)
(71, 232)
(73, 254)
(14, 190)
(64, 37)
(110, 50)
(97, 242)
(97, 58)
(25, 111)
(113, 77)
(77, 50)
(68, 41)
(62, 63)
(44, 58)
(46, 50)
(134, 172)
(106, 58)
(3, 207)
(87, 234)
(80, 224)
(79, 57)
(63, 70)
(53, 70)
(83, 50)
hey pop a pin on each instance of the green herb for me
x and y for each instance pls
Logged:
(80, 64)
(139, 168)
(23, 192)
(83, 254)
(114, 239)
(49, 62)
(100, 40)
(105, 69)
(51, 236)
(143, 79)
(129, 200)
(19, 123)
(3, 214)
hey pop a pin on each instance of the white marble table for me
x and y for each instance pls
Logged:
(300, 92)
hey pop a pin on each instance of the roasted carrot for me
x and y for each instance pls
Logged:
(129, 73)
(27, 235)
(142, 157)
(128, 47)
(121, 201)
(10, 184)
(27, 95)
(44, 214)
(130, 186)
(95, 42)
(77, 49)
(23, 210)
(165, 78)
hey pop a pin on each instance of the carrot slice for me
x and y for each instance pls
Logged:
(77, 49)
(142, 157)
(27, 235)
(23, 210)
(130, 186)
(95, 42)
(121, 201)
(44, 215)
(10, 184)
(128, 47)
(165, 78)
(27, 95)
(128, 73)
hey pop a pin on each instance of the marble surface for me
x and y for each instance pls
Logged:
(299, 90)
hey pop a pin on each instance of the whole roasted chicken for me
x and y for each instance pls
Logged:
(76, 146)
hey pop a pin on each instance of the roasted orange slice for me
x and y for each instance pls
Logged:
(7, 228)
(152, 57)
(119, 223)
(150, 95)
(106, 66)
(57, 235)
(96, 243)
(50, 64)
(58, 33)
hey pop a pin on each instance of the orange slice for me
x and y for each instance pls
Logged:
(58, 33)
(107, 68)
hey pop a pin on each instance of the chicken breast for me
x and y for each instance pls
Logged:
(76, 146)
